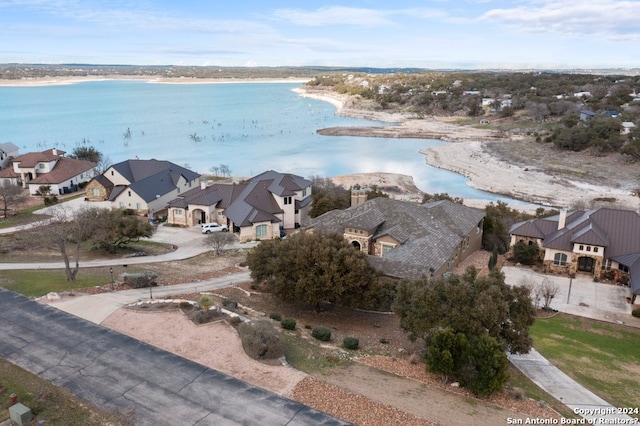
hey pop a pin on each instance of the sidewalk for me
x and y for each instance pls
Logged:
(578, 296)
(97, 307)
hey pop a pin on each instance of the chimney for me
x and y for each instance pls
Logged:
(203, 184)
(358, 197)
(562, 219)
(54, 151)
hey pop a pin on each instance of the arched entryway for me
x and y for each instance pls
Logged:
(585, 264)
(356, 245)
(198, 216)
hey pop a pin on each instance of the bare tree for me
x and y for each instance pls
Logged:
(67, 231)
(548, 290)
(534, 289)
(218, 241)
(11, 194)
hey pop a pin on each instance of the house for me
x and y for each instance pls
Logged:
(586, 114)
(602, 242)
(48, 168)
(405, 240)
(627, 127)
(257, 209)
(7, 152)
(143, 186)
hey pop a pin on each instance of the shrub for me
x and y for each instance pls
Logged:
(230, 304)
(288, 323)
(235, 321)
(351, 343)
(636, 312)
(140, 280)
(321, 333)
(275, 316)
(261, 340)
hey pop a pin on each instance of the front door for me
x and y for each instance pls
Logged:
(585, 264)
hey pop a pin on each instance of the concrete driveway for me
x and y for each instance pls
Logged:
(578, 296)
(148, 385)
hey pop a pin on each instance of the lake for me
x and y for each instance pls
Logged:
(249, 127)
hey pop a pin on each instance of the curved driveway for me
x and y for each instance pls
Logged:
(146, 384)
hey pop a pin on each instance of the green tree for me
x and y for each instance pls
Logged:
(445, 353)
(115, 229)
(327, 196)
(88, 153)
(467, 304)
(467, 323)
(429, 198)
(11, 194)
(312, 268)
(493, 260)
(525, 253)
(486, 367)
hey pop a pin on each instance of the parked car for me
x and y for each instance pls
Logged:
(208, 228)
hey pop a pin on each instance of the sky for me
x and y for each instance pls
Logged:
(433, 34)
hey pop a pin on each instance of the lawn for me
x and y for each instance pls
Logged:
(48, 403)
(36, 283)
(603, 357)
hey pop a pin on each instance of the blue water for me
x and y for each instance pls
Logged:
(249, 127)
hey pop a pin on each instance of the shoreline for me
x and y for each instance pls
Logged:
(64, 81)
(467, 155)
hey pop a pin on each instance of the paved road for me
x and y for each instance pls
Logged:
(117, 373)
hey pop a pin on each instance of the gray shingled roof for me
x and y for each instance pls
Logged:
(429, 234)
(255, 202)
(153, 177)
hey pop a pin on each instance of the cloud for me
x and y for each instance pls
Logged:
(335, 15)
(611, 19)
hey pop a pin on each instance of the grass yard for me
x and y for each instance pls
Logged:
(47, 402)
(603, 357)
(36, 283)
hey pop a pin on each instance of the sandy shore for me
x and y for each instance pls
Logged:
(61, 81)
(469, 157)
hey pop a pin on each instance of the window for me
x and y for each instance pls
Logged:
(386, 248)
(287, 200)
(261, 230)
(129, 193)
(595, 249)
(41, 166)
(623, 268)
(304, 192)
(138, 206)
(606, 265)
(588, 248)
(581, 247)
(111, 172)
(121, 204)
(560, 259)
(178, 212)
(95, 192)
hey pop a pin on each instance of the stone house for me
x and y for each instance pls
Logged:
(48, 168)
(405, 240)
(602, 242)
(260, 208)
(143, 186)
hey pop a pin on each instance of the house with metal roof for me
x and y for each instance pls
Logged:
(142, 186)
(50, 168)
(602, 242)
(259, 208)
(405, 240)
